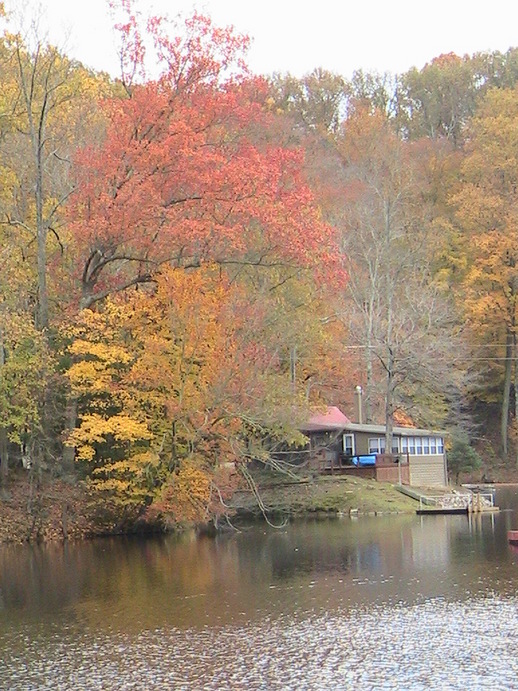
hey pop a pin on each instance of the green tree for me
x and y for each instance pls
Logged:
(462, 458)
(24, 370)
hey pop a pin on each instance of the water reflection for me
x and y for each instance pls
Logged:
(355, 599)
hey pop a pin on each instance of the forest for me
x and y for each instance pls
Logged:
(194, 259)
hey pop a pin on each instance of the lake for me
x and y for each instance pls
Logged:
(395, 602)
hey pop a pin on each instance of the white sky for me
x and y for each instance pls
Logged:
(297, 36)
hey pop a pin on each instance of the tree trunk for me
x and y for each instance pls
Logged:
(293, 369)
(515, 357)
(504, 422)
(4, 458)
(369, 380)
(70, 424)
(43, 300)
(389, 404)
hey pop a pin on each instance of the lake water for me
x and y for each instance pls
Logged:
(396, 602)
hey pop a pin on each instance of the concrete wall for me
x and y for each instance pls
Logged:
(427, 471)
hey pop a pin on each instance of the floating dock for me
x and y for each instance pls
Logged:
(451, 502)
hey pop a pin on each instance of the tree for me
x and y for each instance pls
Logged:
(24, 368)
(317, 101)
(462, 458)
(181, 178)
(438, 100)
(175, 384)
(486, 211)
(394, 310)
(40, 91)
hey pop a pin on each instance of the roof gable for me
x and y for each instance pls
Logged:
(331, 419)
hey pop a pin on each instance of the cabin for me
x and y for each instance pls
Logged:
(337, 445)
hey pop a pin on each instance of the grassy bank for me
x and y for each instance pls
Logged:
(337, 494)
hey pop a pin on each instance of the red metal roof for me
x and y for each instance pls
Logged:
(332, 419)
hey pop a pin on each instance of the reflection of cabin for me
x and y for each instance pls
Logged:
(338, 445)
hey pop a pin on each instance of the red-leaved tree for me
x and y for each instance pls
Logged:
(185, 173)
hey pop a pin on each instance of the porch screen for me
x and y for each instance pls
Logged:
(422, 446)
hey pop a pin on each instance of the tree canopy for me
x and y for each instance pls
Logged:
(195, 258)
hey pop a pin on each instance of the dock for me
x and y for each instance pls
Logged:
(451, 502)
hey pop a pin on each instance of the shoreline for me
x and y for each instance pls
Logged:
(61, 510)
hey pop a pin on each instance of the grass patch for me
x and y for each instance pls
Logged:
(323, 494)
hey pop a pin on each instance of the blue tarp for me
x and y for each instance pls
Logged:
(364, 460)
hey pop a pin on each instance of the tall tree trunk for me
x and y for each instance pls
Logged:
(41, 232)
(504, 422)
(389, 403)
(515, 358)
(70, 424)
(293, 369)
(4, 457)
(31, 72)
(369, 381)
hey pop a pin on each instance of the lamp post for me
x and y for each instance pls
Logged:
(359, 392)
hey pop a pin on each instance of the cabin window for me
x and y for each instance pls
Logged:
(349, 444)
(422, 446)
(320, 439)
(377, 445)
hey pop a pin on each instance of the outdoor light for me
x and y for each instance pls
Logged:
(359, 392)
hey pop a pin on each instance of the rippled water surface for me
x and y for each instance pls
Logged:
(399, 602)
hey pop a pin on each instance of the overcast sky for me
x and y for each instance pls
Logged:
(296, 37)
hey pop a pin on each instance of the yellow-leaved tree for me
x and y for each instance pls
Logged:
(175, 388)
(487, 212)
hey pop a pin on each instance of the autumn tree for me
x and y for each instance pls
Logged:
(38, 90)
(24, 369)
(486, 211)
(178, 179)
(438, 100)
(317, 101)
(173, 385)
(393, 309)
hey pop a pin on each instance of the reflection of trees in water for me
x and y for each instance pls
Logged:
(92, 579)
(131, 584)
(332, 546)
